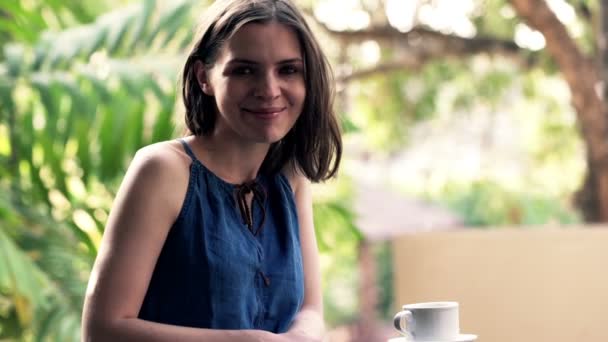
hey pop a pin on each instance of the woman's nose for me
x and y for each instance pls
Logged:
(267, 87)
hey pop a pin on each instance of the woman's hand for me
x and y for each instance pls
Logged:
(297, 336)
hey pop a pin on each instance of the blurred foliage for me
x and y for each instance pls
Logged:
(338, 240)
(387, 108)
(384, 260)
(382, 109)
(485, 203)
(75, 105)
(23, 21)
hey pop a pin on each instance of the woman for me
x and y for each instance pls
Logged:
(211, 237)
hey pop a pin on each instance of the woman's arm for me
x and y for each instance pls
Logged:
(145, 207)
(308, 323)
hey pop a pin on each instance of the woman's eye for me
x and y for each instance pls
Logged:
(289, 69)
(243, 71)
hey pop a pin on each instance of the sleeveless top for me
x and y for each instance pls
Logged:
(216, 270)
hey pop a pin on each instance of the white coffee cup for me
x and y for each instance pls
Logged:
(432, 321)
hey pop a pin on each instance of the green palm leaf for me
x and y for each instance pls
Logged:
(83, 101)
(20, 278)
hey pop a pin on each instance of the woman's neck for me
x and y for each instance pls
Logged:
(233, 161)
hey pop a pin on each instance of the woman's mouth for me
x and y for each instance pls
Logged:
(266, 113)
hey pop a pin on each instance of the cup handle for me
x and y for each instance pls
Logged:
(398, 321)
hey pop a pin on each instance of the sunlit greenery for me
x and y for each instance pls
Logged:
(77, 102)
(84, 84)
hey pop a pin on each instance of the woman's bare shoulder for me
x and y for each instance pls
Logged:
(168, 154)
(164, 166)
(295, 177)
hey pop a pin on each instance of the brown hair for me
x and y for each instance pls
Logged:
(314, 144)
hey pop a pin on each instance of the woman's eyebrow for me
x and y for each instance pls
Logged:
(248, 61)
(291, 60)
(241, 61)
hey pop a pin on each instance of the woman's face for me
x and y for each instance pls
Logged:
(257, 82)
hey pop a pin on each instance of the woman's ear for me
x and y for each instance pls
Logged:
(202, 76)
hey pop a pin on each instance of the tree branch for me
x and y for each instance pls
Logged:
(561, 46)
(430, 44)
(382, 68)
(580, 72)
(434, 41)
(584, 78)
(421, 45)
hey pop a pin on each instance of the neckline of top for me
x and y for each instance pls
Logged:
(219, 179)
(224, 182)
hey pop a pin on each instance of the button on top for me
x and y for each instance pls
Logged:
(266, 279)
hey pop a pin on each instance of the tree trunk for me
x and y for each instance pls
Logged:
(584, 77)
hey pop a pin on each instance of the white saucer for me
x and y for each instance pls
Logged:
(460, 338)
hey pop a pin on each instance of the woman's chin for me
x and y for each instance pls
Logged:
(270, 137)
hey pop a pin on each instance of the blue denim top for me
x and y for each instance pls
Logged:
(214, 272)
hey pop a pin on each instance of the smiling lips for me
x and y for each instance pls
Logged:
(265, 113)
